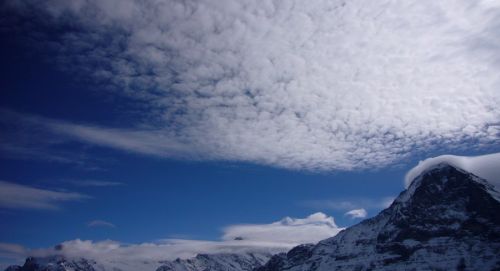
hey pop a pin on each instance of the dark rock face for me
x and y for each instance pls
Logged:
(448, 219)
(293, 257)
(54, 263)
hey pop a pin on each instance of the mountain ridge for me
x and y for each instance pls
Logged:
(201, 262)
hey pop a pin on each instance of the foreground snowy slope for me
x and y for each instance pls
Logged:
(447, 219)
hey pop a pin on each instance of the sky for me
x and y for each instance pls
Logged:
(163, 124)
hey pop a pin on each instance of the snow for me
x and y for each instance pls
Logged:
(224, 261)
(483, 166)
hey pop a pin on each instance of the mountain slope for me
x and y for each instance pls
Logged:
(219, 262)
(446, 219)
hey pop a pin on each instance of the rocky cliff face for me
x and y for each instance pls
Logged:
(447, 219)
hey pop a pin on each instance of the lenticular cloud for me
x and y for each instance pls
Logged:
(484, 166)
(297, 84)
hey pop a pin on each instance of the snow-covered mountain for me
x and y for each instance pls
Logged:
(219, 262)
(447, 219)
(202, 262)
(55, 263)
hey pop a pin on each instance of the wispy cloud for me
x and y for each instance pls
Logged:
(100, 223)
(322, 85)
(37, 137)
(356, 213)
(350, 204)
(11, 253)
(93, 183)
(11, 249)
(29, 137)
(17, 196)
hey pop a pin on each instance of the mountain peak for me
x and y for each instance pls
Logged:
(445, 177)
(486, 167)
(447, 218)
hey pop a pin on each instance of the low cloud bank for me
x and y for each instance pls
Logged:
(289, 231)
(273, 238)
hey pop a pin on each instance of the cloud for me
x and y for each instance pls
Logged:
(29, 137)
(484, 166)
(32, 136)
(322, 85)
(17, 196)
(356, 213)
(100, 223)
(9, 250)
(350, 204)
(314, 228)
(274, 237)
(94, 183)
(11, 253)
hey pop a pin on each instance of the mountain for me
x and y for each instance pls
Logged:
(54, 263)
(219, 262)
(447, 219)
(202, 262)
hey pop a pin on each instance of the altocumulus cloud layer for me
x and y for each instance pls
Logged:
(298, 84)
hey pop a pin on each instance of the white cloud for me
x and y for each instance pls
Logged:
(349, 204)
(484, 166)
(274, 237)
(101, 223)
(291, 231)
(17, 196)
(327, 85)
(356, 213)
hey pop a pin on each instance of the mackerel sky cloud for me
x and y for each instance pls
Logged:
(317, 85)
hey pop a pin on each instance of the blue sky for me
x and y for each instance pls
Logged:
(149, 197)
(115, 130)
